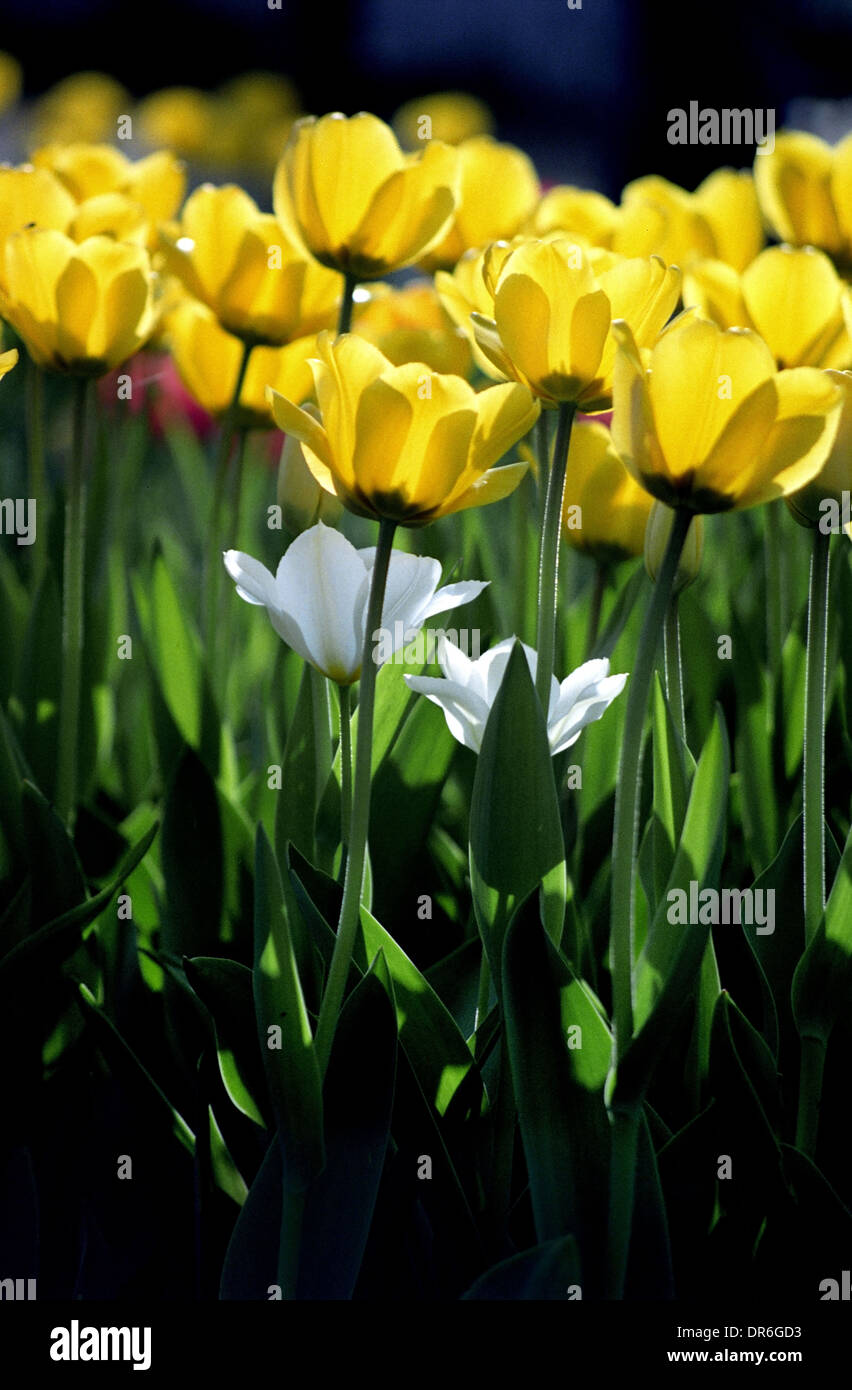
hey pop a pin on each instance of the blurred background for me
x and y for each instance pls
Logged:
(586, 91)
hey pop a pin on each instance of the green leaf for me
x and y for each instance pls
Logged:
(548, 1271)
(48, 845)
(305, 770)
(225, 988)
(558, 1088)
(284, 1029)
(357, 1102)
(822, 984)
(618, 618)
(515, 827)
(753, 746)
(250, 1269)
(671, 957)
(674, 767)
(436, 1048)
(38, 682)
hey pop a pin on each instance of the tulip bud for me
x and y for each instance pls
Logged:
(657, 534)
(302, 501)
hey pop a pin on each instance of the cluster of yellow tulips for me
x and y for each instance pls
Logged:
(718, 365)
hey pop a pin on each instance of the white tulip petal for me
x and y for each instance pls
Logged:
(454, 595)
(564, 732)
(574, 686)
(254, 582)
(466, 712)
(456, 664)
(321, 584)
(412, 580)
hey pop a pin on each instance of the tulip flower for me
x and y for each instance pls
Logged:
(32, 197)
(822, 501)
(11, 81)
(805, 191)
(403, 443)
(580, 213)
(553, 314)
(82, 107)
(156, 183)
(346, 191)
(707, 423)
(178, 118)
(721, 220)
(498, 189)
(410, 324)
(469, 689)
(604, 510)
(452, 117)
(302, 501)
(208, 362)
(793, 298)
(241, 263)
(81, 309)
(317, 598)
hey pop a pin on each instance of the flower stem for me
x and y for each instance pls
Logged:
(36, 475)
(674, 673)
(349, 909)
(344, 322)
(810, 1091)
(345, 698)
(627, 791)
(625, 1133)
(548, 574)
(213, 561)
(72, 609)
(773, 550)
(814, 758)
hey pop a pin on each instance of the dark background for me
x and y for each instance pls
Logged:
(586, 91)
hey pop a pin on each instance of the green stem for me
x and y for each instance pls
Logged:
(37, 477)
(773, 545)
(674, 673)
(627, 791)
(213, 558)
(810, 1092)
(483, 994)
(503, 1153)
(347, 926)
(598, 586)
(290, 1238)
(622, 1186)
(345, 698)
(72, 609)
(542, 439)
(548, 574)
(814, 758)
(344, 322)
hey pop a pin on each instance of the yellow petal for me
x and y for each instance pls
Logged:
(504, 415)
(492, 486)
(714, 289)
(293, 420)
(728, 201)
(407, 215)
(794, 188)
(792, 296)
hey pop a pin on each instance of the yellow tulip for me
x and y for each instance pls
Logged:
(448, 116)
(793, 298)
(80, 308)
(178, 118)
(604, 510)
(831, 489)
(302, 501)
(553, 313)
(345, 190)
(410, 324)
(405, 443)
(110, 214)
(720, 220)
(240, 263)
(709, 423)
(498, 189)
(805, 192)
(156, 183)
(657, 533)
(576, 212)
(32, 197)
(7, 361)
(85, 106)
(208, 361)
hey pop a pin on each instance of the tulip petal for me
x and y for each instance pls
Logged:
(293, 420)
(454, 596)
(254, 582)
(465, 711)
(493, 486)
(321, 585)
(791, 297)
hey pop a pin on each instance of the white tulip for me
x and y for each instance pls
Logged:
(470, 688)
(317, 598)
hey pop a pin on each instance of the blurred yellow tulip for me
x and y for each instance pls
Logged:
(85, 106)
(827, 498)
(182, 119)
(576, 212)
(805, 192)
(553, 311)
(721, 220)
(240, 262)
(448, 116)
(708, 423)
(155, 184)
(32, 197)
(80, 308)
(604, 510)
(346, 191)
(793, 298)
(11, 81)
(208, 362)
(498, 189)
(410, 324)
(657, 533)
(404, 443)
